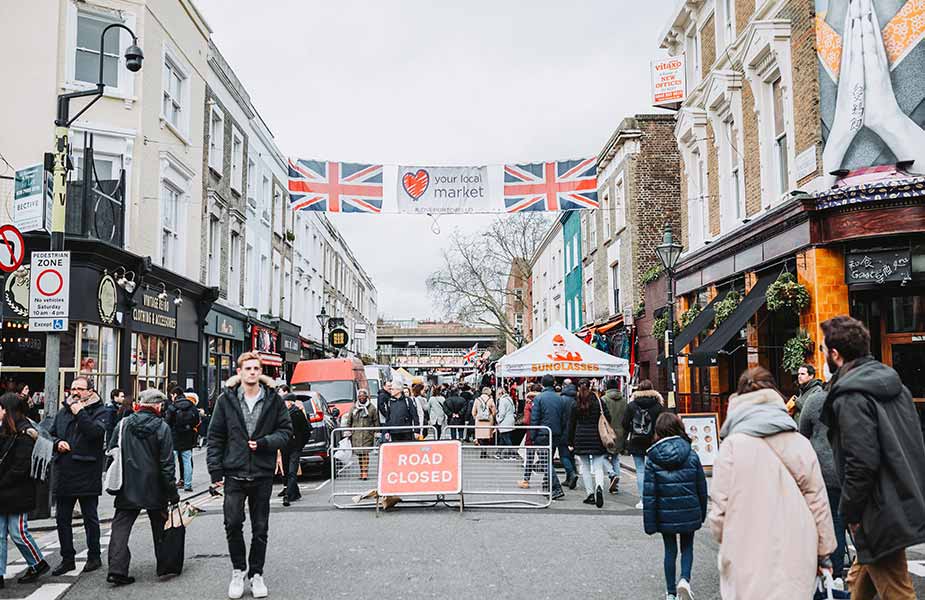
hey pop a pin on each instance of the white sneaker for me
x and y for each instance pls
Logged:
(639, 505)
(258, 587)
(684, 590)
(838, 584)
(670, 597)
(236, 587)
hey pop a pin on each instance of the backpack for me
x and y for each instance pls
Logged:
(187, 419)
(642, 423)
(483, 413)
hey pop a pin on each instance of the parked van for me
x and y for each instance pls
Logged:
(337, 379)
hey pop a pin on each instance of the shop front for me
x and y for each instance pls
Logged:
(225, 334)
(264, 340)
(290, 347)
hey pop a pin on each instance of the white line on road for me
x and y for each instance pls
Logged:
(48, 591)
(917, 567)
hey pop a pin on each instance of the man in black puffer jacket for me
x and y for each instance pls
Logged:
(249, 425)
(400, 411)
(146, 449)
(879, 458)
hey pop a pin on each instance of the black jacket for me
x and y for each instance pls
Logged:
(17, 488)
(80, 471)
(674, 499)
(879, 457)
(649, 402)
(455, 405)
(548, 411)
(183, 418)
(584, 435)
(470, 401)
(228, 454)
(299, 429)
(382, 398)
(148, 471)
(401, 412)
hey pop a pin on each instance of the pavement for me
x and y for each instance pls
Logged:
(317, 551)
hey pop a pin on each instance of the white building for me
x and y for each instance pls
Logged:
(548, 280)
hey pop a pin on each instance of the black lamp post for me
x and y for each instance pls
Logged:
(323, 321)
(669, 251)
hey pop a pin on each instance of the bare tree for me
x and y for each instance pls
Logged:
(471, 286)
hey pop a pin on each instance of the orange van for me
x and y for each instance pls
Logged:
(337, 379)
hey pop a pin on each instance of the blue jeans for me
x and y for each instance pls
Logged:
(17, 527)
(640, 462)
(612, 465)
(186, 466)
(838, 557)
(671, 558)
(565, 455)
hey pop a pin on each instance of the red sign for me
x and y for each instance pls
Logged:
(12, 248)
(420, 468)
(263, 342)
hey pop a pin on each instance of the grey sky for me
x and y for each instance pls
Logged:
(437, 83)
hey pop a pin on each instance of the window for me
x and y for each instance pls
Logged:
(251, 183)
(589, 299)
(735, 170)
(287, 290)
(702, 191)
(519, 322)
(99, 355)
(237, 158)
(577, 314)
(216, 140)
(584, 234)
(592, 232)
(174, 84)
(170, 224)
(87, 60)
(607, 232)
(264, 273)
(234, 268)
(729, 21)
(619, 205)
(247, 274)
(575, 263)
(215, 236)
(265, 199)
(615, 286)
(568, 315)
(568, 253)
(780, 138)
(279, 225)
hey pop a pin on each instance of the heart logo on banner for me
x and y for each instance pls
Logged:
(415, 184)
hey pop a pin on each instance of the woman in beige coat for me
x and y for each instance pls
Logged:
(483, 412)
(770, 513)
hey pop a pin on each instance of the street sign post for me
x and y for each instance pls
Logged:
(49, 293)
(12, 248)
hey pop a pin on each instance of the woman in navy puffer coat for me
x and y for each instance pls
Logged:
(674, 499)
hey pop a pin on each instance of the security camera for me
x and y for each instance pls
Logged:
(133, 58)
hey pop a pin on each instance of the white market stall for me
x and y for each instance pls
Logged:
(559, 352)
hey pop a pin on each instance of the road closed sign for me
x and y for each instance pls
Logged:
(50, 287)
(420, 468)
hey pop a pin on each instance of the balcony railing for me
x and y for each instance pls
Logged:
(97, 211)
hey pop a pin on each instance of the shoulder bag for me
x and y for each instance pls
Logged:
(114, 472)
(605, 430)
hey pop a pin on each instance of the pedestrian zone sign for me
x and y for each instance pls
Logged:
(420, 468)
(49, 294)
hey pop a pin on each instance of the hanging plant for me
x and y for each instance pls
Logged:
(787, 292)
(660, 327)
(724, 307)
(795, 351)
(653, 273)
(688, 315)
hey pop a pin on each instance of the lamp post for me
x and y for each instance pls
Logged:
(669, 251)
(59, 162)
(323, 321)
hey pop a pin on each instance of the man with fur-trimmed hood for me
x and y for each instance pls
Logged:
(249, 425)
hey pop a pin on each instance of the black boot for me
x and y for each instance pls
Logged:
(33, 573)
(120, 579)
(66, 566)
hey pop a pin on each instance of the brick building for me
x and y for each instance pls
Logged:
(518, 304)
(779, 176)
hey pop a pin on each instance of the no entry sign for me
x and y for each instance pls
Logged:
(12, 248)
(420, 468)
(49, 296)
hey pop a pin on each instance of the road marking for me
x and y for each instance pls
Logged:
(917, 567)
(48, 591)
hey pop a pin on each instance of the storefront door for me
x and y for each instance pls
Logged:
(906, 354)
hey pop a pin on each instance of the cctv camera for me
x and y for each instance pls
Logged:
(133, 58)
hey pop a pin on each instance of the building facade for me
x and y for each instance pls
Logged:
(518, 305)
(573, 289)
(547, 271)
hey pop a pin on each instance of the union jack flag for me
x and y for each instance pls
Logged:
(469, 357)
(552, 186)
(335, 186)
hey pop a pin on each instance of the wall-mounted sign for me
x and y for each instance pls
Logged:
(668, 81)
(289, 343)
(106, 299)
(50, 291)
(16, 291)
(878, 266)
(222, 325)
(30, 199)
(338, 338)
(155, 315)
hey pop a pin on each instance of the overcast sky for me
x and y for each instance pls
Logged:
(419, 82)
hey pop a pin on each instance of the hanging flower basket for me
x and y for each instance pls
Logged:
(796, 349)
(787, 293)
(689, 315)
(659, 327)
(724, 307)
(651, 274)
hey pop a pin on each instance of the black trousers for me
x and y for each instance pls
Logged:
(119, 554)
(257, 494)
(291, 473)
(89, 508)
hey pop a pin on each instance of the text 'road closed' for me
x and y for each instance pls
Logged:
(420, 468)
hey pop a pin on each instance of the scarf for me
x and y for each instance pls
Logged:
(758, 414)
(362, 409)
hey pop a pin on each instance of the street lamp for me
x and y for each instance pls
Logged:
(323, 321)
(59, 162)
(669, 251)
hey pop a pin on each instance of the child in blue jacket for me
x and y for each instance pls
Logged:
(674, 499)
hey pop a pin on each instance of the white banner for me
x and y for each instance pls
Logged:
(440, 190)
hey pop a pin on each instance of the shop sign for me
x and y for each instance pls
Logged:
(413, 469)
(222, 325)
(668, 84)
(289, 343)
(155, 312)
(878, 267)
(50, 291)
(106, 299)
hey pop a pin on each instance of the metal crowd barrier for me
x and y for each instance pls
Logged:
(493, 475)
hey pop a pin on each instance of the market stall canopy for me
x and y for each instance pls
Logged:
(402, 375)
(559, 352)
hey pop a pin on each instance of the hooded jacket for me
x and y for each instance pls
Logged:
(813, 429)
(648, 401)
(879, 457)
(148, 469)
(17, 488)
(80, 471)
(806, 391)
(674, 496)
(183, 418)
(300, 427)
(228, 453)
(616, 406)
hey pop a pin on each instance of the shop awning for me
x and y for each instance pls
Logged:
(616, 322)
(696, 327)
(705, 355)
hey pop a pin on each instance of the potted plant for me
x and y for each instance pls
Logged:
(787, 293)
(796, 349)
(724, 307)
(290, 236)
(690, 314)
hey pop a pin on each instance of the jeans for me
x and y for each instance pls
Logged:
(457, 433)
(257, 494)
(565, 455)
(838, 557)
(17, 527)
(544, 455)
(671, 558)
(588, 464)
(185, 458)
(612, 465)
(119, 554)
(89, 508)
(640, 462)
(504, 439)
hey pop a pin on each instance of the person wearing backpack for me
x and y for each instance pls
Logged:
(483, 412)
(674, 499)
(639, 424)
(183, 418)
(584, 439)
(400, 411)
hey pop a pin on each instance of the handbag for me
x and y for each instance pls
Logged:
(605, 430)
(170, 548)
(114, 472)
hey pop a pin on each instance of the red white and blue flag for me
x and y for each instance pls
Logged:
(469, 357)
(552, 186)
(335, 186)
